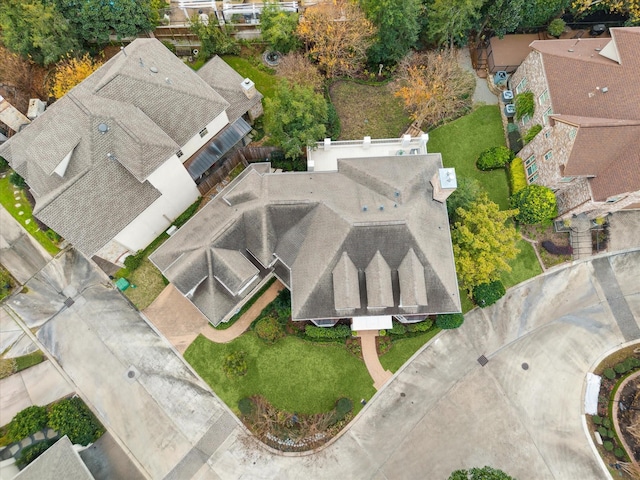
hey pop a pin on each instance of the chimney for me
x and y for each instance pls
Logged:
(249, 88)
(444, 184)
(11, 116)
(36, 108)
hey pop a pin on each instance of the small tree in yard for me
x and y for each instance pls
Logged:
(278, 28)
(449, 321)
(71, 71)
(487, 294)
(295, 118)
(433, 87)
(213, 40)
(298, 69)
(536, 204)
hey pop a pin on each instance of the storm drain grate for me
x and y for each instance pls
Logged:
(68, 302)
(483, 360)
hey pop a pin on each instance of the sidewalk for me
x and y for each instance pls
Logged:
(379, 375)
(482, 94)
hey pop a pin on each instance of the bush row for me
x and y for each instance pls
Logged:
(621, 368)
(338, 332)
(493, 158)
(517, 175)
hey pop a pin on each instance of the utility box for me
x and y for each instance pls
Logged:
(122, 284)
(500, 78)
(509, 110)
(507, 96)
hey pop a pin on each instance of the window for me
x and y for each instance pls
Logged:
(547, 134)
(548, 155)
(531, 168)
(521, 85)
(546, 116)
(533, 178)
(572, 133)
(613, 199)
(203, 132)
(566, 179)
(544, 97)
(179, 153)
(526, 118)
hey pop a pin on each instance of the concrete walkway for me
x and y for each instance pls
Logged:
(379, 375)
(482, 94)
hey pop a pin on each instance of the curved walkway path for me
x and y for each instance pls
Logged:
(614, 414)
(370, 356)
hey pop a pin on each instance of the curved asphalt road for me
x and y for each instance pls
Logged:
(443, 411)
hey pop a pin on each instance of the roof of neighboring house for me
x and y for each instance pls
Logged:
(59, 461)
(228, 83)
(365, 240)
(87, 158)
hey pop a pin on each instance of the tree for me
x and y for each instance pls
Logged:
(213, 39)
(278, 28)
(70, 72)
(467, 192)
(298, 69)
(536, 204)
(449, 21)
(483, 242)
(449, 321)
(398, 28)
(35, 30)
(434, 87)
(338, 36)
(537, 13)
(502, 16)
(629, 7)
(95, 20)
(485, 473)
(295, 118)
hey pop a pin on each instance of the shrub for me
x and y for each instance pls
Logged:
(344, 406)
(606, 423)
(531, 133)
(246, 406)
(597, 419)
(517, 175)
(354, 346)
(535, 204)
(269, 329)
(619, 453)
(235, 364)
(17, 181)
(382, 333)
(487, 294)
(609, 373)
(525, 104)
(333, 122)
(71, 417)
(610, 433)
(30, 420)
(620, 368)
(419, 327)
(554, 249)
(495, 157)
(631, 363)
(556, 27)
(604, 433)
(608, 446)
(3, 164)
(331, 333)
(187, 214)
(30, 453)
(398, 329)
(449, 321)
(132, 262)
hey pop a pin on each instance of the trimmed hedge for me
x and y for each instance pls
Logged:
(449, 321)
(327, 333)
(423, 326)
(71, 417)
(17, 181)
(488, 293)
(494, 157)
(517, 175)
(535, 204)
(397, 329)
(531, 133)
(30, 420)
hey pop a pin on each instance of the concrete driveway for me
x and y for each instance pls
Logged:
(441, 412)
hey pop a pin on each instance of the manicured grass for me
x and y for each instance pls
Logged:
(461, 142)
(523, 267)
(148, 285)
(260, 74)
(403, 349)
(29, 360)
(368, 110)
(8, 201)
(6, 282)
(293, 374)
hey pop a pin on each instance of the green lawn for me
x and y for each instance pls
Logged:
(260, 74)
(368, 110)
(461, 141)
(148, 285)
(403, 349)
(8, 201)
(293, 374)
(523, 267)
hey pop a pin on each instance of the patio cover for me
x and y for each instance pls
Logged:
(381, 322)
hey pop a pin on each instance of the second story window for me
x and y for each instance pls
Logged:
(203, 132)
(531, 167)
(548, 155)
(546, 116)
(522, 84)
(572, 133)
(544, 97)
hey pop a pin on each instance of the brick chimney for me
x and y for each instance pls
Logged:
(249, 88)
(444, 184)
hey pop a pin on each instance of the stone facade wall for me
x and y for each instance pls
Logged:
(600, 209)
(533, 70)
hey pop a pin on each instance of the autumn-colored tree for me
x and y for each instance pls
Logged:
(630, 7)
(434, 87)
(298, 69)
(70, 72)
(338, 35)
(483, 242)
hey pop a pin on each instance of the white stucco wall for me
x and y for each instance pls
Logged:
(195, 142)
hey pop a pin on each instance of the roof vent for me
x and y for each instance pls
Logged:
(111, 156)
(168, 80)
(604, 89)
(103, 128)
(598, 49)
(141, 62)
(153, 69)
(365, 208)
(570, 50)
(381, 207)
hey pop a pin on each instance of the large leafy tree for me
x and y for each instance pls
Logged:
(485, 473)
(278, 28)
(537, 13)
(398, 28)
(467, 192)
(502, 16)
(295, 118)
(94, 20)
(213, 39)
(536, 204)
(449, 21)
(483, 242)
(629, 7)
(338, 35)
(70, 72)
(35, 29)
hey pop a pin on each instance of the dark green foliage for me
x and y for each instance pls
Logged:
(556, 27)
(531, 133)
(30, 420)
(467, 193)
(517, 176)
(449, 321)
(484, 473)
(631, 363)
(71, 417)
(333, 126)
(269, 329)
(132, 262)
(619, 453)
(488, 293)
(278, 28)
(246, 406)
(420, 327)
(235, 364)
(495, 157)
(535, 204)
(170, 46)
(606, 422)
(610, 433)
(525, 104)
(53, 236)
(449, 21)
(25, 361)
(397, 329)
(213, 39)
(608, 446)
(17, 181)
(596, 419)
(620, 368)
(30, 453)
(3, 164)
(536, 13)
(344, 406)
(338, 332)
(187, 214)
(502, 16)
(603, 432)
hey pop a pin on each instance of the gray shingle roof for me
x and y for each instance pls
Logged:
(340, 256)
(59, 461)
